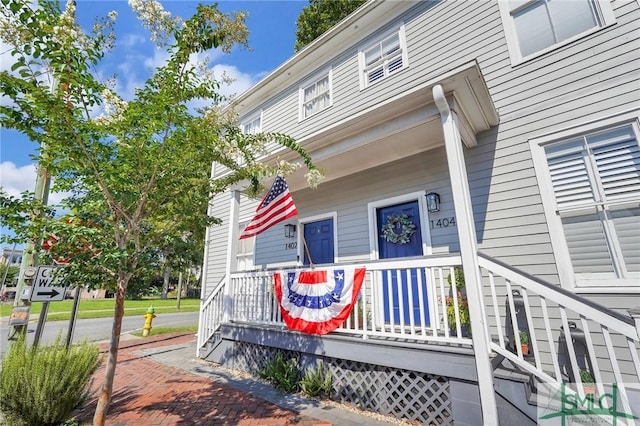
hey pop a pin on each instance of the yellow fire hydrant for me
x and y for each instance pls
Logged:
(148, 317)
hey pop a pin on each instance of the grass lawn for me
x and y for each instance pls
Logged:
(101, 308)
(163, 330)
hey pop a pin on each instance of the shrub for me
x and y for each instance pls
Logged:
(43, 385)
(317, 382)
(282, 374)
(459, 275)
(586, 376)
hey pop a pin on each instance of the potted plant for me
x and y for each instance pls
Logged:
(588, 382)
(524, 342)
(463, 306)
(463, 311)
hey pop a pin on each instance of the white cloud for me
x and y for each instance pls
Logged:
(15, 180)
(132, 40)
(159, 58)
(241, 81)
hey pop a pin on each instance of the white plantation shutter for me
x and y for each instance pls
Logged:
(627, 225)
(569, 174)
(587, 244)
(617, 159)
(596, 182)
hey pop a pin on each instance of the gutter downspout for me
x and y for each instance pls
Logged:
(469, 253)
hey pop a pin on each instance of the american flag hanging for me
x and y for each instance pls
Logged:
(275, 207)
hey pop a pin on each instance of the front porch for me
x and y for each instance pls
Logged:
(419, 365)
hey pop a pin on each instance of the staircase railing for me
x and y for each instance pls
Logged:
(567, 334)
(211, 311)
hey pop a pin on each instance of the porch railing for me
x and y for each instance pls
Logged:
(568, 336)
(421, 300)
(211, 314)
(408, 298)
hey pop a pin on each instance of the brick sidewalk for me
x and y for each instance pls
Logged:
(146, 392)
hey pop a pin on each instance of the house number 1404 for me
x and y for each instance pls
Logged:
(443, 223)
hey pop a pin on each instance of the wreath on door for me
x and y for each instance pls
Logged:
(403, 224)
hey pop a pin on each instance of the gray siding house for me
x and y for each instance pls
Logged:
(507, 134)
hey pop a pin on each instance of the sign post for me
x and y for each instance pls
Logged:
(46, 287)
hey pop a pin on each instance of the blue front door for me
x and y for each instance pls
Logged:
(319, 240)
(412, 281)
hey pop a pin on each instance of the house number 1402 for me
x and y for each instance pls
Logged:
(290, 246)
(443, 223)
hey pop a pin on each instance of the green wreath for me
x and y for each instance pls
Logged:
(407, 229)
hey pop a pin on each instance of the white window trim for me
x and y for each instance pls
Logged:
(405, 198)
(251, 118)
(605, 13)
(556, 232)
(308, 219)
(403, 45)
(317, 77)
(251, 254)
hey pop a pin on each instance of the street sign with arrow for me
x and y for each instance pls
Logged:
(47, 287)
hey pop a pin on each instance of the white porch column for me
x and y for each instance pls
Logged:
(232, 252)
(469, 254)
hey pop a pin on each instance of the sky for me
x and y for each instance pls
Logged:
(272, 27)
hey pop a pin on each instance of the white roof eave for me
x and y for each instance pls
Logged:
(348, 32)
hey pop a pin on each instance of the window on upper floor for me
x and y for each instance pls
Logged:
(252, 125)
(592, 193)
(533, 27)
(316, 96)
(384, 58)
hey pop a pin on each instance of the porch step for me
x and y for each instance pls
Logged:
(517, 391)
(210, 346)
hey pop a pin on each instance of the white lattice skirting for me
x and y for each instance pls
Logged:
(400, 393)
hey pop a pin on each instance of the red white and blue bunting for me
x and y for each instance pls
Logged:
(320, 300)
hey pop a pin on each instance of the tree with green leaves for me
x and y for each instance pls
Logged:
(138, 169)
(317, 18)
(8, 274)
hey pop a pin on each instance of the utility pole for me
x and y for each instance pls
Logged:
(29, 258)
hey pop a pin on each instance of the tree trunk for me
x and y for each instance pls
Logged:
(165, 283)
(107, 387)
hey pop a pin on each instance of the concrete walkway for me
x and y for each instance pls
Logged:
(159, 381)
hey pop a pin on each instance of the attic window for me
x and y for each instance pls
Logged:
(384, 58)
(534, 27)
(252, 126)
(316, 96)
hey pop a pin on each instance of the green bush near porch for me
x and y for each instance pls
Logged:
(283, 374)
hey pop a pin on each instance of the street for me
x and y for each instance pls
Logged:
(96, 329)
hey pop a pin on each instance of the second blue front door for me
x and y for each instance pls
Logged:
(412, 282)
(318, 237)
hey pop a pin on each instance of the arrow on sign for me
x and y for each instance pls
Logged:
(53, 293)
